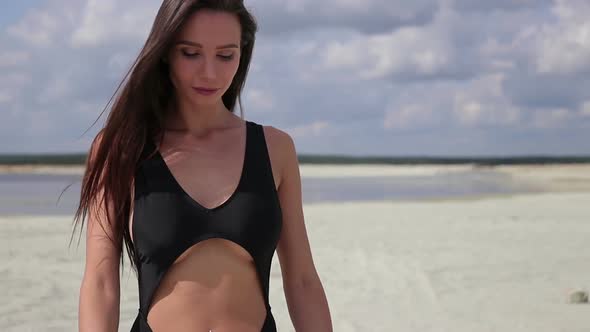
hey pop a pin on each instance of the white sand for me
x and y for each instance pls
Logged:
(333, 171)
(494, 264)
(560, 174)
(553, 177)
(42, 169)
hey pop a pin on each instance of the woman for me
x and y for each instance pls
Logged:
(200, 198)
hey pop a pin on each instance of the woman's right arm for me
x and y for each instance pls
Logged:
(100, 289)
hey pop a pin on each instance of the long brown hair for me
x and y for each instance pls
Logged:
(138, 110)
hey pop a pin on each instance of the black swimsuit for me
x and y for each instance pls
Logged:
(167, 221)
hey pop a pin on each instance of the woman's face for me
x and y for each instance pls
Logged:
(205, 55)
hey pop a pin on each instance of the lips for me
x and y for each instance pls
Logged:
(205, 89)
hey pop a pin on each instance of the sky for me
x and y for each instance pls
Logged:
(362, 78)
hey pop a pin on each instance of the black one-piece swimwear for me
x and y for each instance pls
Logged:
(167, 221)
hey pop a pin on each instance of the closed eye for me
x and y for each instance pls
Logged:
(226, 57)
(223, 57)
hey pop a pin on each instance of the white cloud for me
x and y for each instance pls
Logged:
(259, 100)
(482, 102)
(340, 55)
(469, 112)
(500, 56)
(564, 47)
(506, 5)
(409, 116)
(14, 79)
(387, 67)
(14, 58)
(315, 128)
(93, 29)
(125, 22)
(368, 16)
(460, 104)
(120, 62)
(37, 28)
(58, 88)
(5, 97)
(41, 122)
(12, 85)
(408, 51)
(553, 118)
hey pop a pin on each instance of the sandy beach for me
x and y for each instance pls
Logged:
(497, 263)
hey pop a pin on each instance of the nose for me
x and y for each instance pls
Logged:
(208, 69)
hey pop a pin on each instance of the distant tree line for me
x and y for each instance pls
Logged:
(80, 159)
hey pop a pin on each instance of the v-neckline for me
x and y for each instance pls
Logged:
(192, 200)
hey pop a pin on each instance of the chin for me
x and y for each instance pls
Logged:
(200, 101)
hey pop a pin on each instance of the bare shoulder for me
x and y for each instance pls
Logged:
(281, 149)
(277, 136)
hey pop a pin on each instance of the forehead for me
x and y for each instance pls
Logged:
(211, 28)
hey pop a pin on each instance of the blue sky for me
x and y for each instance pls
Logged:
(12, 13)
(374, 77)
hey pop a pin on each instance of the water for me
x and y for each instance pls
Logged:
(37, 194)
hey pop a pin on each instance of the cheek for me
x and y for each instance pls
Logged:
(180, 73)
(230, 71)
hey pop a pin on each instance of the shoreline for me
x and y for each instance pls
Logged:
(531, 178)
(479, 198)
(310, 170)
(336, 170)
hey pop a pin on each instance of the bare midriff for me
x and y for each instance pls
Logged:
(213, 286)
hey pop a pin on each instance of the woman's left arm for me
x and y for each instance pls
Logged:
(304, 293)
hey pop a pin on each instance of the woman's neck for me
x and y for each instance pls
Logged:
(198, 120)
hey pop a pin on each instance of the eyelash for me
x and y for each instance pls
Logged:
(223, 57)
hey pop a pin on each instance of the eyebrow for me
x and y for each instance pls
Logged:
(187, 42)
